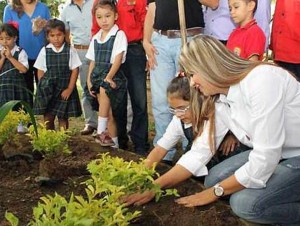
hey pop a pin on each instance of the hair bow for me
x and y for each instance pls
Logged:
(181, 74)
(14, 24)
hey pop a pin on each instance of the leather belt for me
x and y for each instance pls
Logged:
(134, 43)
(176, 33)
(81, 46)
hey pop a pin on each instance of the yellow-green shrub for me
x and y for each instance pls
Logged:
(49, 142)
(9, 125)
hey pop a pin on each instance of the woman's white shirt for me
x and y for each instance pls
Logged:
(195, 160)
(263, 111)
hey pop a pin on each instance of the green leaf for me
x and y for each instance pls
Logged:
(12, 219)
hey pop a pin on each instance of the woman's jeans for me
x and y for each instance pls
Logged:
(278, 202)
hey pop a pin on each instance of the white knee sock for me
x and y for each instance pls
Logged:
(102, 124)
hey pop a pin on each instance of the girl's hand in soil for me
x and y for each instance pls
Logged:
(66, 94)
(110, 82)
(229, 144)
(138, 199)
(199, 199)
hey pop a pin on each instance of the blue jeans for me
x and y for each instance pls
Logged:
(90, 116)
(134, 70)
(166, 69)
(278, 202)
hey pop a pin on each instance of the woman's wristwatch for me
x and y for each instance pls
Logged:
(218, 190)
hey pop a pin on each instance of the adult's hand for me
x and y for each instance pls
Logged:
(139, 198)
(150, 52)
(199, 199)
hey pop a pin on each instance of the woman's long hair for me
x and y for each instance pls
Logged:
(210, 59)
(202, 112)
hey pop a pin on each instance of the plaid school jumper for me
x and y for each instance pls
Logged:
(53, 83)
(102, 66)
(12, 83)
(116, 96)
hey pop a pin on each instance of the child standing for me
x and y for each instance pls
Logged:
(106, 81)
(247, 40)
(57, 65)
(13, 63)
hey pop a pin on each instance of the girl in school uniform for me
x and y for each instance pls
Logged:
(57, 65)
(180, 98)
(106, 81)
(13, 63)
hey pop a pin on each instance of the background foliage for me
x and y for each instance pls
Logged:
(53, 6)
(2, 5)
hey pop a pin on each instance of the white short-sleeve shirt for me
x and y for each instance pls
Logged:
(120, 44)
(23, 58)
(173, 134)
(40, 62)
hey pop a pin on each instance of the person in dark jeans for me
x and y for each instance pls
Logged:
(134, 70)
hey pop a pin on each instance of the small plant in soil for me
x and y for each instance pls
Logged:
(49, 142)
(110, 172)
(8, 126)
(16, 104)
(93, 211)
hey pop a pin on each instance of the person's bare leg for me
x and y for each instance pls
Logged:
(63, 123)
(104, 103)
(49, 121)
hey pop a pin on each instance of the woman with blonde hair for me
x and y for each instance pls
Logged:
(262, 109)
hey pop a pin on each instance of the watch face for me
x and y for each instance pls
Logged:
(219, 191)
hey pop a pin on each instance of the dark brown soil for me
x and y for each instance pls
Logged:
(24, 180)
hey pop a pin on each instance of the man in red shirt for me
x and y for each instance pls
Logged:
(131, 16)
(285, 36)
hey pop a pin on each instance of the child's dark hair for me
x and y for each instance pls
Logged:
(256, 2)
(180, 87)
(10, 30)
(55, 24)
(104, 3)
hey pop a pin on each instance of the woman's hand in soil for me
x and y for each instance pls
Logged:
(199, 199)
(229, 144)
(138, 199)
